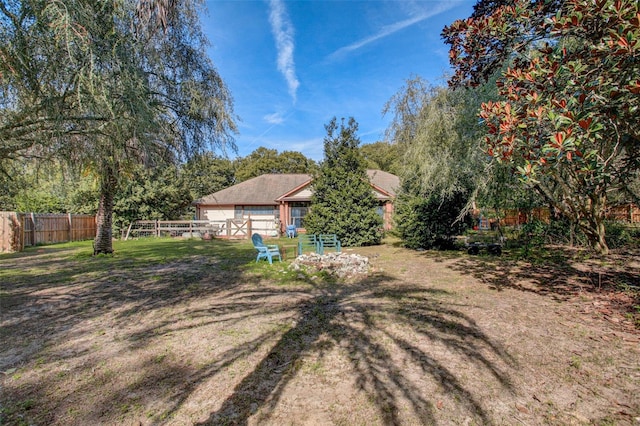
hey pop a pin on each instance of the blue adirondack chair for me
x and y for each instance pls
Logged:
(265, 251)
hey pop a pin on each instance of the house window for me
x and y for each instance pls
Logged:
(244, 211)
(298, 212)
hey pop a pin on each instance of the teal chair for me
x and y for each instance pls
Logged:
(265, 251)
(308, 242)
(329, 241)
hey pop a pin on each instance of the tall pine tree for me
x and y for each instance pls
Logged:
(343, 201)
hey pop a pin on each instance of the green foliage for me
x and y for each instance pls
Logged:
(570, 136)
(46, 187)
(12, 182)
(444, 169)
(533, 233)
(92, 83)
(39, 201)
(502, 190)
(430, 222)
(151, 194)
(383, 156)
(622, 235)
(343, 202)
(207, 173)
(84, 195)
(41, 189)
(263, 161)
(537, 233)
(440, 137)
(295, 162)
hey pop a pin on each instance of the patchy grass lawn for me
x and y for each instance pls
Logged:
(183, 332)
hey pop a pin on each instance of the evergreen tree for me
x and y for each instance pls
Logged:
(343, 202)
(566, 123)
(431, 221)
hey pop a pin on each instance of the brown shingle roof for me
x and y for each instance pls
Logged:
(384, 180)
(265, 189)
(261, 190)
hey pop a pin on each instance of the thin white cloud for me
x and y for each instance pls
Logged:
(283, 32)
(275, 118)
(388, 30)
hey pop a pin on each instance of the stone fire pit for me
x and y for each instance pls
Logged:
(338, 264)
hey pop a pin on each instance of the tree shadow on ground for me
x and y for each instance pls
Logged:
(556, 272)
(49, 297)
(43, 294)
(564, 274)
(358, 318)
(381, 324)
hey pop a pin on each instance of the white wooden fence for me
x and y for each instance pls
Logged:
(229, 228)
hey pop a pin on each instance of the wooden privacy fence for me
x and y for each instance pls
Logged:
(629, 213)
(515, 217)
(624, 213)
(20, 230)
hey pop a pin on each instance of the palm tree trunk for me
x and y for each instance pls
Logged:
(103, 244)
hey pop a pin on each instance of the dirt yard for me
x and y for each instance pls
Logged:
(211, 338)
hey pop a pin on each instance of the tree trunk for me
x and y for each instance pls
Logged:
(104, 220)
(594, 227)
(598, 241)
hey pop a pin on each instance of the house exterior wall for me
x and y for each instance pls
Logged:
(305, 194)
(267, 225)
(284, 216)
(388, 216)
(215, 213)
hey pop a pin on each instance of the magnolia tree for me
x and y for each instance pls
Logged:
(567, 123)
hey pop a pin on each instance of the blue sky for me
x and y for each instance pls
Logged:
(291, 66)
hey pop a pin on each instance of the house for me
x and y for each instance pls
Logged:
(273, 201)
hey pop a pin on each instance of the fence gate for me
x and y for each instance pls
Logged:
(238, 228)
